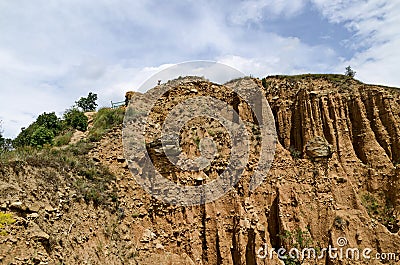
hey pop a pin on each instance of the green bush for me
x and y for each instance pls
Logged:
(264, 82)
(370, 203)
(49, 121)
(104, 120)
(41, 136)
(5, 143)
(296, 154)
(22, 139)
(76, 119)
(40, 132)
(2, 140)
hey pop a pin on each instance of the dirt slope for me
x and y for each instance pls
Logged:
(334, 175)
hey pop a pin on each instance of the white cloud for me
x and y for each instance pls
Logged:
(377, 36)
(52, 53)
(282, 56)
(257, 10)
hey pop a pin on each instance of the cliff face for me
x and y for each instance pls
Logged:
(334, 175)
(360, 121)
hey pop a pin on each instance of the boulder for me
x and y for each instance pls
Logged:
(319, 147)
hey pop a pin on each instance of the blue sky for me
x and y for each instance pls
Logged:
(54, 52)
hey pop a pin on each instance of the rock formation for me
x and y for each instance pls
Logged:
(334, 176)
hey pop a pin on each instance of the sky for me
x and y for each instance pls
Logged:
(54, 52)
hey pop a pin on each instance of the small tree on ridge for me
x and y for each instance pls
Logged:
(350, 72)
(88, 103)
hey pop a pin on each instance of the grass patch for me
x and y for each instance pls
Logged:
(370, 203)
(296, 154)
(5, 220)
(104, 120)
(135, 215)
(381, 209)
(197, 142)
(63, 139)
(212, 133)
(298, 239)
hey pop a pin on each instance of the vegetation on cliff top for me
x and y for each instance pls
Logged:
(334, 78)
(34, 148)
(91, 180)
(104, 120)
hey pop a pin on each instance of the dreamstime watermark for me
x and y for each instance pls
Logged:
(154, 122)
(341, 252)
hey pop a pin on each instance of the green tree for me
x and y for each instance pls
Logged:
(264, 82)
(88, 103)
(2, 139)
(76, 119)
(4, 143)
(350, 72)
(49, 121)
(41, 136)
(7, 145)
(40, 132)
(24, 137)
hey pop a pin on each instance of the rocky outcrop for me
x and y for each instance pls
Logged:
(334, 175)
(318, 147)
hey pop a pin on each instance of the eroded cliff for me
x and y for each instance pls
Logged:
(334, 175)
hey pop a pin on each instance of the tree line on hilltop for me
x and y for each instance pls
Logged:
(48, 126)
